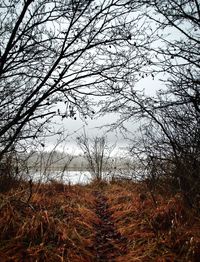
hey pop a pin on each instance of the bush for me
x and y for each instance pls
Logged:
(9, 172)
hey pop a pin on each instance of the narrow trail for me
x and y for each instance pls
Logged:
(109, 243)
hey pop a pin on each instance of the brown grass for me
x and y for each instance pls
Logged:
(168, 232)
(57, 224)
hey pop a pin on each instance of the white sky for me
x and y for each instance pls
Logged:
(93, 126)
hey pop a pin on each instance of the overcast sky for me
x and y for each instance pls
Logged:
(94, 127)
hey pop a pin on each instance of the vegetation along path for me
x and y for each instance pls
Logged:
(98, 222)
(109, 243)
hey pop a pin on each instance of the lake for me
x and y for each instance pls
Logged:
(74, 177)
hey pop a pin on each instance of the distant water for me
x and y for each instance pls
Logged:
(72, 177)
(77, 177)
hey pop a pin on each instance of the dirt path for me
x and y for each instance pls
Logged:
(109, 243)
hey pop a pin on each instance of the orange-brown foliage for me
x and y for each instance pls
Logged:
(168, 232)
(57, 224)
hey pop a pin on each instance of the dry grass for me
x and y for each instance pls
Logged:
(168, 232)
(58, 224)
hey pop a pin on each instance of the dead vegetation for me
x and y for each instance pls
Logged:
(167, 232)
(55, 226)
(60, 222)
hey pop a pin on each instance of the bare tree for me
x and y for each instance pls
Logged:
(54, 55)
(97, 153)
(44, 165)
(174, 55)
(178, 52)
(170, 121)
